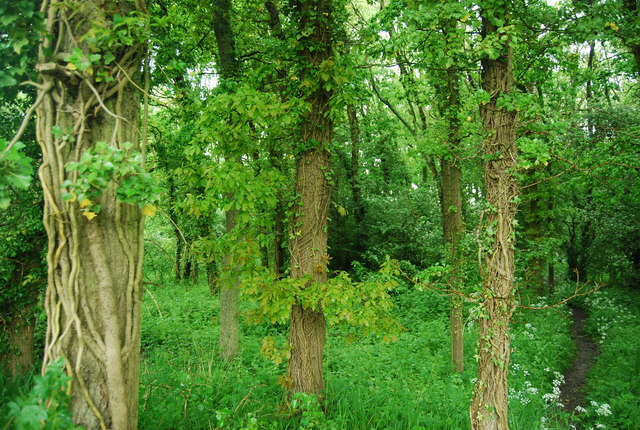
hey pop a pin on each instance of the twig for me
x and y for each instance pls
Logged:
(154, 300)
(45, 89)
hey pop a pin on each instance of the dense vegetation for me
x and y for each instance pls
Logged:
(317, 214)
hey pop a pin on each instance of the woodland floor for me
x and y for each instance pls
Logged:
(572, 391)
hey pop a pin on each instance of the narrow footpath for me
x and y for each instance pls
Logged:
(572, 391)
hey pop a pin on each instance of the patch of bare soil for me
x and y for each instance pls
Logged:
(572, 391)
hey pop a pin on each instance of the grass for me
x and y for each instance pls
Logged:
(613, 386)
(406, 384)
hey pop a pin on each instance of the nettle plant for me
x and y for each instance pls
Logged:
(102, 164)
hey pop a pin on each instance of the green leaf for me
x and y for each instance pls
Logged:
(6, 80)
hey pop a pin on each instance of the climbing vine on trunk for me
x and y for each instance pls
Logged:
(489, 405)
(88, 66)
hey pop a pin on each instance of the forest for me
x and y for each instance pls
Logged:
(319, 214)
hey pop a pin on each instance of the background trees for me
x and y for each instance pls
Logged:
(337, 167)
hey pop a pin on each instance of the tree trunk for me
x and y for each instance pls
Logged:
(94, 266)
(533, 231)
(451, 204)
(356, 193)
(489, 405)
(21, 355)
(278, 238)
(229, 328)
(212, 276)
(229, 68)
(308, 243)
(309, 257)
(451, 207)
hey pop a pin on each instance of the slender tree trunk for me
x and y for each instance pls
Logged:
(356, 193)
(534, 236)
(451, 207)
(176, 230)
(451, 203)
(94, 266)
(212, 276)
(229, 68)
(187, 267)
(21, 355)
(308, 243)
(489, 405)
(229, 328)
(278, 239)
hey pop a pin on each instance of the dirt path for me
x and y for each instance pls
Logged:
(571, 394)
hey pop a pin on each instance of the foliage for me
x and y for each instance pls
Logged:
(15, 171)
(611, 392)
(404, 384)
(46, 406)
(102, 164)
(364, 305)
(21, 26)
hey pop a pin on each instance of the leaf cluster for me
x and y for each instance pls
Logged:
(46, 406)
(102, 165)
(365, 305)
(15, 171)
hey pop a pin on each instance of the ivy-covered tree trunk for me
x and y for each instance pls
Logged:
(308, 231)
(94, 265)
(489, 404)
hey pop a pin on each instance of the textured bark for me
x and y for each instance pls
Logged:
(489, 405)
(94, 266)
(453, 227)
(451, 207)
(308, 243)
(229, 68)
(21, 354)
(229, 329)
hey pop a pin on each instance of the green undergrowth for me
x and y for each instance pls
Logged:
(613, 386)
(407, 384)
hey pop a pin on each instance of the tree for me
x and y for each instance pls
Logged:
(308, 229)
(229, 67)
(490, 396)
(87, 126)
(22, 278)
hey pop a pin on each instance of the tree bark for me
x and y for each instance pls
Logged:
(489, 405)
(308, 243)
(21, 355)
(451, 207)
(94, 266)
(453, 227)
(229, 68)
(229, 328)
